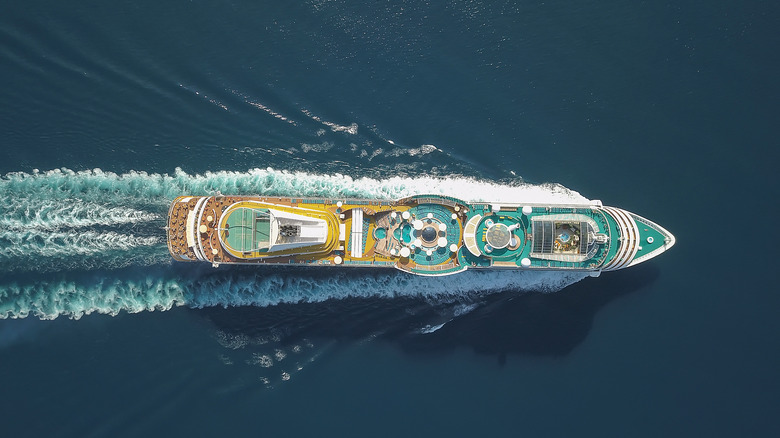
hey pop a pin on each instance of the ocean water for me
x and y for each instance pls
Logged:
(108, 110)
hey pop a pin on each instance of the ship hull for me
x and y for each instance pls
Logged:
(429, 235)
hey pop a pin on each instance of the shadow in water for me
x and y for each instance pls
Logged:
(537, 324)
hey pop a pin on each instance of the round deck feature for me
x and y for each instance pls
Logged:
(432, 231)
(429, 234)
(564, 236)
(498, 236)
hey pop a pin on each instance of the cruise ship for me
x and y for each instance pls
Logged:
(428, 235)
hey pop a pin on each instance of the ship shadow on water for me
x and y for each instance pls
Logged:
(534, 324)
(498, 324)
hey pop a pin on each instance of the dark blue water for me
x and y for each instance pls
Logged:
(111, 109)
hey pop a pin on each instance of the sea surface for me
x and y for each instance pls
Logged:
(108, 110)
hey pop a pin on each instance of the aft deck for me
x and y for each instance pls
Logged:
(247, 229)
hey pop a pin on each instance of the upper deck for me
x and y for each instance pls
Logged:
(426, 235)
(512, 236)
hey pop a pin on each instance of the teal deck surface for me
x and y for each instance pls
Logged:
(453, 232)
(247, 229)
(514, 256)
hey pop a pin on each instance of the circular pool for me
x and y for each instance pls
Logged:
(498, 236)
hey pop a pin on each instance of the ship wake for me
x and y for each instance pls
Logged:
(159, 288)
(74, 243)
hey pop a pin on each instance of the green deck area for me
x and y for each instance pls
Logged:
(466, 258)
(514, 254)
(646, 231)
(504, 255)
(614, 234)
(440, 214)
(507, 219)
(247, 229)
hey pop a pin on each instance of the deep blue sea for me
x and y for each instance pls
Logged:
(108, 110)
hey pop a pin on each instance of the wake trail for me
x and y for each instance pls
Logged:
(96, 242)
(45, 214)
(157, 288)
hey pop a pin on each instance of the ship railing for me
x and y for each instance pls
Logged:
(436, 200)
(435, 268)
(369, 262)
(563, 265)
(332, 201)
(440, 269)
(428, 198)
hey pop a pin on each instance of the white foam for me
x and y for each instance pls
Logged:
(341, 283)
(48, 299)
(59, 216)
(430, 329)
(232, 341)
(43, 214)
(464, 309)
(155, 191)
(413, 152)
(262, 107)
(351, 129)
(263, 360)
(58, 213)
(259, 105)
(34, 243)
(320, 147)
(204, 96)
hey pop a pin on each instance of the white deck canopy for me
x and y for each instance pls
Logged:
(470, 235)
(290, 230)
(356, 238)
